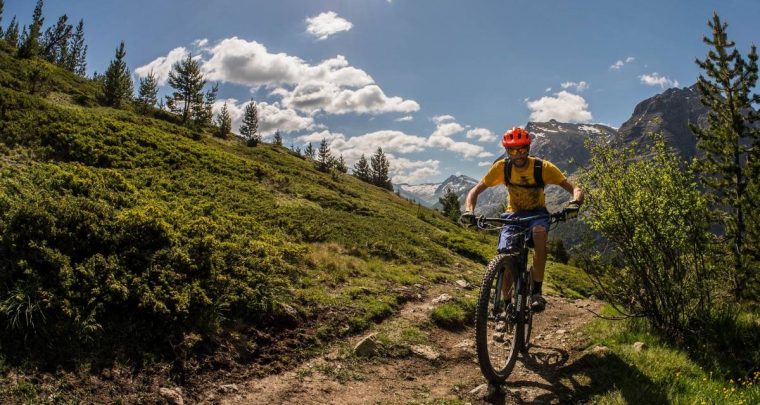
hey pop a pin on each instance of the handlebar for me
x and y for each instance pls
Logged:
(563, 215)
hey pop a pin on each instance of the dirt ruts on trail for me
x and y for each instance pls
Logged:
(449, 373)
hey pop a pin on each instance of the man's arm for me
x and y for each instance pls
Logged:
(472, 197)
(572, 189)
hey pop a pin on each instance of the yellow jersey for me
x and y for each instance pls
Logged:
(521, 198)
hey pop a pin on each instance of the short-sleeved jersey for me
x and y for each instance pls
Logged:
(522, 198)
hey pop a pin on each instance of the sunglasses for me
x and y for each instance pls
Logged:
(519, 151)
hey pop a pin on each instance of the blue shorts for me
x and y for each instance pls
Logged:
(509, 238)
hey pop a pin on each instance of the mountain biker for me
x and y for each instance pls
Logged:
(525, 198)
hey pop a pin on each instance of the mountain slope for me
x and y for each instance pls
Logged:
(126, 237)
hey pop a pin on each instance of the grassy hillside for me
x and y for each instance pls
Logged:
(122, 233)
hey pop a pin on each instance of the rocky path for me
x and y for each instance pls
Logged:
(443, 371)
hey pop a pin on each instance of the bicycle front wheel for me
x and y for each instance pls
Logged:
(498, 323)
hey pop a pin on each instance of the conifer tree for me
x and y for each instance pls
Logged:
(2, 5)
(277, 138)
(147, 95)
(117, 83)
(187, 81)
(224, 122)
(380, 166)
(340, 165)
(250, 128)
(730, 168)
(450, 205)
(324, 156)
(362, 170)
(11, 33)
(203, 112)
(55, 42)
(309, 151)
(30, 46)
(76, 61)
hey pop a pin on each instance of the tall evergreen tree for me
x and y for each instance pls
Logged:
(147, 95)
(55, 42)
(2, 5)
(309, 151)
(277, 138)
(224, 122)
(30, 46)
(362, 170)
(76, 61)
(117, 83)
(250, 127)
(340, 165)
(450, 205)
(324, 156)
(187, 81)
(731, 145)
(380, 166)
(11, 33)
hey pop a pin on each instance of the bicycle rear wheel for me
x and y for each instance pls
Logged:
(498, 326)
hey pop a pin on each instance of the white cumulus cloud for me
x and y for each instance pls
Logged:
(442, 118)
(620, 63)
(563, 106)
(162, 65)
(580, 86)
(326, 24)
(404, 118)
(412, 171)
(655, 79)
(272, 117)
(485, 164)
(482, 134)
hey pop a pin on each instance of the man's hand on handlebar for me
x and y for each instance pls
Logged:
(468, 218)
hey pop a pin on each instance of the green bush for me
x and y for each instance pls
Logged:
(657, 221)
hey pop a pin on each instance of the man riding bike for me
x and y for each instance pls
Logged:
(525, 178)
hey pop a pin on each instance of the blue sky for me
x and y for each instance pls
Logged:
(433, 82)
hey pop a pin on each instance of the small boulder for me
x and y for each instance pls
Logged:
(600, 350)
(561, 332)
(367, 346)
(229, 388)
(484, 391)
(426, 352)
(442, 298)
(463, 284)
(171, 396)
(639, 346)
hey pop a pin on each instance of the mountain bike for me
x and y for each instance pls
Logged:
(504, 318)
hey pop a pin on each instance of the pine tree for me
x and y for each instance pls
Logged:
(2, 5)
(309, 151)
(224, 122)
(340, 165)
(76, 61)
(11, 33)
(187, 81)
(730, 168)
(147, 95)
(55, 42)
(324, 157)
(30, 46)
(362, 170)
(450, 205)
(277, 138)
(117, 84)
(250, 128)
(380, 166)
(203, 113)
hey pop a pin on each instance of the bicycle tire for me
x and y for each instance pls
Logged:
(528, 312)
(497, 358)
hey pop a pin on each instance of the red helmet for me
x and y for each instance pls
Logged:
(515, 138)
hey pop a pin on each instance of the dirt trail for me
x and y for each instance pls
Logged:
(338, 379)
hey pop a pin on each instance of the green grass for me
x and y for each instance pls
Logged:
(454, 314)
(660, 374)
